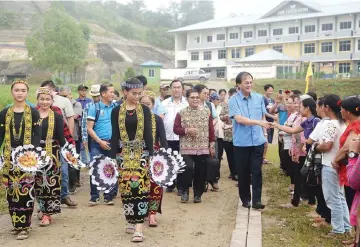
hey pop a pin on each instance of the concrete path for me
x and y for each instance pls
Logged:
(248, 230)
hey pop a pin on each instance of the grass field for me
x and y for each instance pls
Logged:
(287, 227)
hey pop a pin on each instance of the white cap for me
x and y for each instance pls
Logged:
(94, 90)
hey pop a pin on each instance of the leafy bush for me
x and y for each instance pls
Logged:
(129, 73)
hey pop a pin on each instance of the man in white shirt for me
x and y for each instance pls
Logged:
(173, 105)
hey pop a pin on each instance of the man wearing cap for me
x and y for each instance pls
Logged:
(83, 100)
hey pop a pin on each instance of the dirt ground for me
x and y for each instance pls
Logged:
(209, 223)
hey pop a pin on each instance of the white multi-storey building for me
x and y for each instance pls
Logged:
(329, 36)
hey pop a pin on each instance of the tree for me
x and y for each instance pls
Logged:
(86, 30)
(129, 73)
(57, 42)
(192, 12)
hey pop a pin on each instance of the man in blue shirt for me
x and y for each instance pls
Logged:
(248, 111)
(100, 130)
(82, 91)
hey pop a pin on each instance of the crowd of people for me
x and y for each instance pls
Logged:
(318, 140)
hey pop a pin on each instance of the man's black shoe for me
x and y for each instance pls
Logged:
(246, 205)
(197, 199)
(184, 197)
(258, 206)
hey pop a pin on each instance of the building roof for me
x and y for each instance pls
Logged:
(151, 63)
(312, 12)
(267, 56)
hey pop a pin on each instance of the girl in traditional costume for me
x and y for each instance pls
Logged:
(19, 126)
(160, 140)
(132, 142)
(48, 179)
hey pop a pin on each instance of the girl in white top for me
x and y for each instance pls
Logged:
(328, 138)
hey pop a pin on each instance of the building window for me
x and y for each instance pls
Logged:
(292, 30)
(222, 54)
(327, 27)
(326, 47)
(309, 48)
(249, 52)
(233, 35)
(310, 29)
(207, 55)
(235, 53)
(344, 68)
(195, 56)
(262, 33)
(151, 73)
(358, 45)
(345, 25)
(221, 73)
(209, 39)
(248, 34)
(277, 31)
(278, 48)
(221, 36)
(198, 39)
(345, 45)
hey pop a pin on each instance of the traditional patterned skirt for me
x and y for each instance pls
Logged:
(134, 187)
(20, 195)
(47, 186)
(156, 193)
(155, 198)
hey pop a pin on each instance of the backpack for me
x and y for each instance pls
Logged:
(97, 114)
(312, 167)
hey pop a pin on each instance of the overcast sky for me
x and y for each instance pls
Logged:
(224, 7)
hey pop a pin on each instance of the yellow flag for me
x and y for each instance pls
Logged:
(308, 76)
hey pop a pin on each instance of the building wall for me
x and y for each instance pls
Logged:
(156, 78)
(292, 50)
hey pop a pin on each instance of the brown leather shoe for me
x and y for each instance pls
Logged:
(67, 201)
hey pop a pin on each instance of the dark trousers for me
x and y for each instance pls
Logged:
(174, 145)
(248, 162)
(282, 158)
(228, 148)
(220, 148)
(195, 172)
(322, 208)
(298, 180)
(287, 164)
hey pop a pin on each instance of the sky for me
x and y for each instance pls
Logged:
(224, 8)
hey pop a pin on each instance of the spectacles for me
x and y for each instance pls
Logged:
(194, 97)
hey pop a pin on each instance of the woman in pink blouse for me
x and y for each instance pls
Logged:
(298, 154)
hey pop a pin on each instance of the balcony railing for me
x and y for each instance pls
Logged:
(330, 56)
(219, 44)
(275, 39)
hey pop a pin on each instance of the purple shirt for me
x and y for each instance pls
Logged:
(84, 102)
(309, 125)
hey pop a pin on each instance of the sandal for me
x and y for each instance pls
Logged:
(215, 187)
(22, 235)
(46, 220)
(14, 232)
(137, 237)
(130, 229)
(39, 215)
(155, 224)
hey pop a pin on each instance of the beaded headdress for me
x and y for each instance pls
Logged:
(149, 94)
(20, 82)
(132, 83)
(44, 90)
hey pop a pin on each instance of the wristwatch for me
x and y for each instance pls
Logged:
(353, 154)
